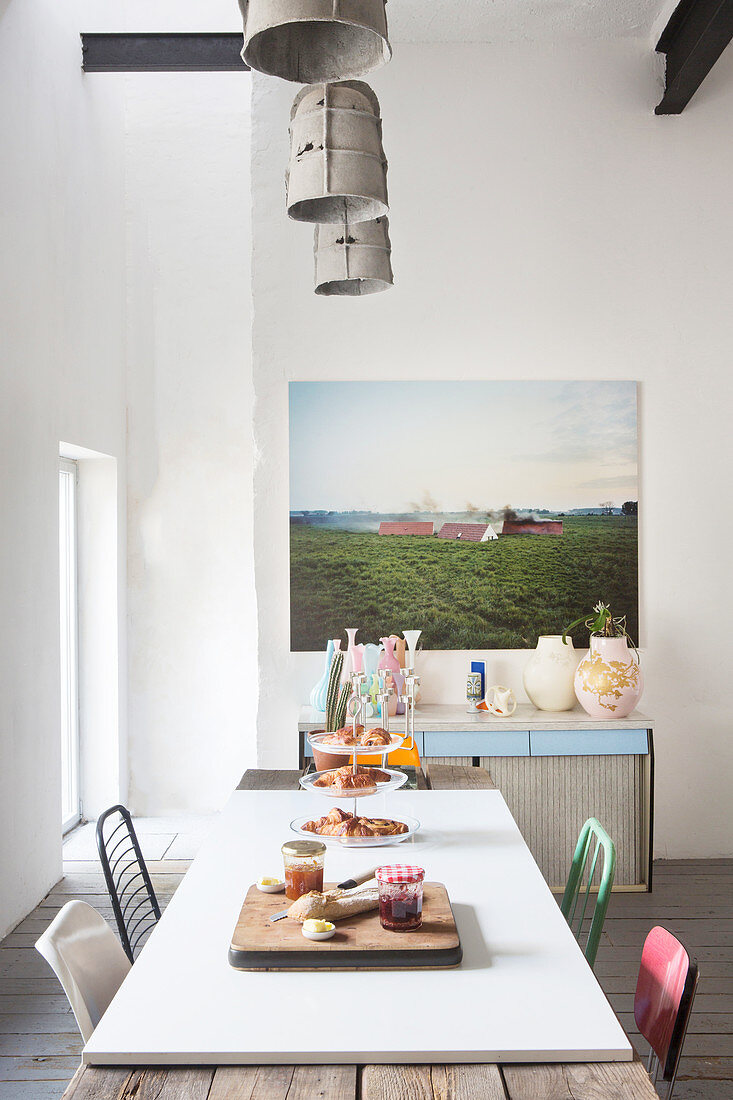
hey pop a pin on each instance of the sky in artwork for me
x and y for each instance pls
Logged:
(452, 446)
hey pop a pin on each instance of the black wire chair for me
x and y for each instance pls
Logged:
(133, 898)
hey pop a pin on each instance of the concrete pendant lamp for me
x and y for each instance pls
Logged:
(353, 258)
(311, 41)
(337, 170)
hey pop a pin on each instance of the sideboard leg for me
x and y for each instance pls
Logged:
(650, 832)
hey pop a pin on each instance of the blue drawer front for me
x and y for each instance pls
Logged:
(501, 743)
(589, 743)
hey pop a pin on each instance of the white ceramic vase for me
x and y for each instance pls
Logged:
(549, 674)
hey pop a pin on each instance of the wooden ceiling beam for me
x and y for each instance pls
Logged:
(162, 53)
(693, 40)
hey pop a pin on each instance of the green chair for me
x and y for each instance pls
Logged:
(592, 830)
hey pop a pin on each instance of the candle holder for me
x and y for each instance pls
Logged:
(412, 682)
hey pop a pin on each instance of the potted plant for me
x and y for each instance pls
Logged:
(337, 698)
(608, 681)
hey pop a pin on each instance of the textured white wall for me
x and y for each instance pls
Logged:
(62, 378)
(192, 636)
(545, 224)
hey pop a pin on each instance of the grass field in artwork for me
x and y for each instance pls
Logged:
(496, 595)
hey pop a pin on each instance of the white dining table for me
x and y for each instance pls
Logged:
(523, 992)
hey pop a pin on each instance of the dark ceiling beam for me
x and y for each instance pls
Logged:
(162, 53)
(693, 40)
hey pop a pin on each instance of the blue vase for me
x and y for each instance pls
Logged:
(370, 661)
(320, 691)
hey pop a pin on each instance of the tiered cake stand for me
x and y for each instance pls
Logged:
(357, 710)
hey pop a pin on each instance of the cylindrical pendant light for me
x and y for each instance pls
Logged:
(311, 41)
(337, 170)
(353, 258)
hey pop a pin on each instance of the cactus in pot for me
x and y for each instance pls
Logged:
(337, 698)
(337, 695)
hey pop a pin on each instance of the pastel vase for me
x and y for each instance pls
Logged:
(320, 690)
(348, 668)
(411, 637)
(387, 659)
(608, 681)
(400, 646)
(370, 661)
(374, 693)
(392, 703)
(388, 662)
(357, 657)
(549, 675)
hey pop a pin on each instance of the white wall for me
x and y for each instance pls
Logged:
(545, 224)
(62, 378)
(192, 634)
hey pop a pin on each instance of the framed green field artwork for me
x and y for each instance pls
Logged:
(483, 513)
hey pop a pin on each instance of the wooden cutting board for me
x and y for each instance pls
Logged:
(360, 942)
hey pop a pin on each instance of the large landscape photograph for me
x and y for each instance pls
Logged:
(482, 513)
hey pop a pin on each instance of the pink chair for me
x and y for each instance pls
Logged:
(665, 991)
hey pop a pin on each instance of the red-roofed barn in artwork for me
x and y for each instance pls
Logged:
(389, 528)
(467, 532)
(532, 527)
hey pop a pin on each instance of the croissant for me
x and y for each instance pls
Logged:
(344, 736)
(376, 736)
(385, 826)
(345, 777)
(340, 823)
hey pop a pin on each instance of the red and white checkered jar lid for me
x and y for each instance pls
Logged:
(400, 872)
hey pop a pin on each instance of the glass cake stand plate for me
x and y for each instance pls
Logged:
(396, 779)
(358, 841)
(318, 740)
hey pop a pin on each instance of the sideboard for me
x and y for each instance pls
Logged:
(554, 770)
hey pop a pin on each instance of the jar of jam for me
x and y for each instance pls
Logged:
(400, 897)
(303, 861)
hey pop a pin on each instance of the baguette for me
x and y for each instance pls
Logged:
(334, 905)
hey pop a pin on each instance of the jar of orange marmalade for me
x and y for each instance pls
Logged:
(303, 861)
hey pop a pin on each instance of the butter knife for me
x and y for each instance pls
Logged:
(357, 880)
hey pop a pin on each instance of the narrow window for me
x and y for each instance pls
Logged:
(70, 798)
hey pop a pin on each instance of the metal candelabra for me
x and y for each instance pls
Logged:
(412, 682)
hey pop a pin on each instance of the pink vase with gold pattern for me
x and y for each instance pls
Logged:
(608, 681)
(389, 661)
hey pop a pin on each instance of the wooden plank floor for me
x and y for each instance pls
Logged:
(40, 1045)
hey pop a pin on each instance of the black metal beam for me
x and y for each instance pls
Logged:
(162, 53)
(693, 40)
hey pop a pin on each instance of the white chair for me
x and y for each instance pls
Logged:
(87, 959)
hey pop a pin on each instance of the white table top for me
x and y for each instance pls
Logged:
(523, 993)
